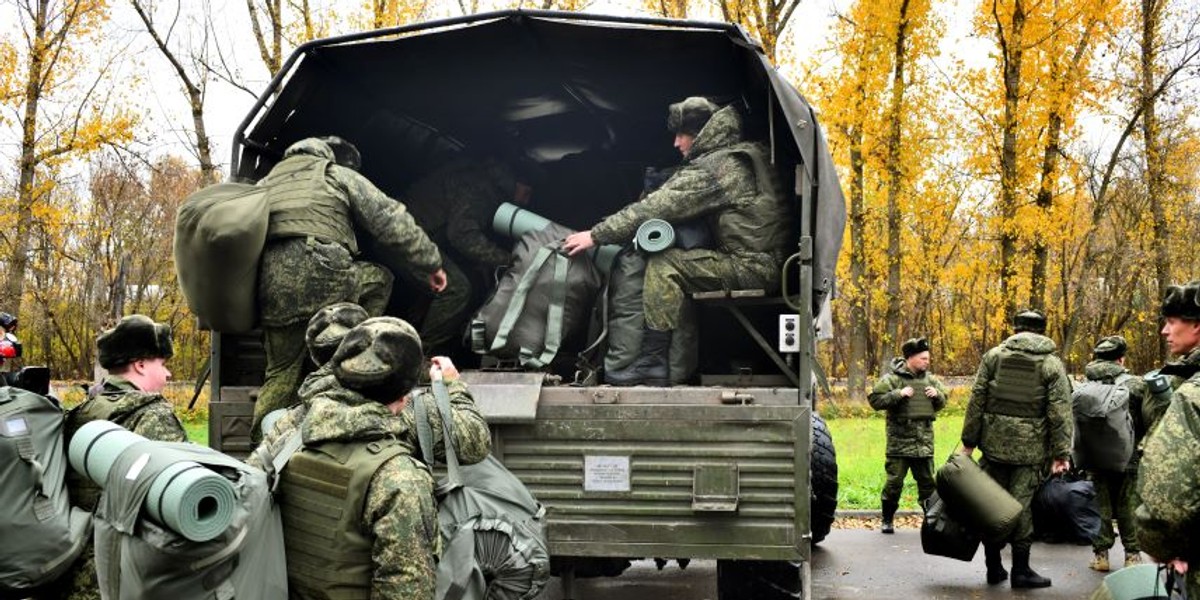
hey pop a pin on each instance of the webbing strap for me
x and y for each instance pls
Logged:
(516, 304)
(424, 431)
(554, 318)
(442, 395)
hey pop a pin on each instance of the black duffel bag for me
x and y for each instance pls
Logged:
(943, 535)
(1064, 510)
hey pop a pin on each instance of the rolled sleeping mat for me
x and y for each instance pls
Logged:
(654, 235)
(514, 222)
(976, 499)
(186, 497)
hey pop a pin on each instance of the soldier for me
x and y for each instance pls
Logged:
(1115, 489)
(134, 353)
(1182, 335)
(912, 396)
(385, 543)
(455, 205)
(319, 210)
(732, 184)
(1019, 415)
(10, 348)
(1169, 474)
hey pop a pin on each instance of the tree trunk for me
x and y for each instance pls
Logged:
(1012, 55)
(856, 368)
(1155, 177)
(894, 184)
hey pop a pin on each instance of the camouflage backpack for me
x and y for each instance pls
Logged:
(33, 494)
(1104, 437)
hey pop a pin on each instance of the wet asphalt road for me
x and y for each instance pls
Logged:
(857, 564)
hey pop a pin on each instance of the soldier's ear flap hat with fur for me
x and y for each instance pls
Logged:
(914, 346)
(135, 337)
(380, 358)
(1110, 348)
(1030, 320)
(1182, 301)
(690, 116)
(329, 327)
(344, 153)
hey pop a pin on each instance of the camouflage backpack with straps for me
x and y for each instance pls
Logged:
(1104, 437)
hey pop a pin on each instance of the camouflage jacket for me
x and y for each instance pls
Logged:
(1177, 372)
(304, 277)
(906, 437)
(472, 438)
(1169, 480)
(1108, 371)
(455, 205)
(400, 515)
(731, 184)
(1018, 440)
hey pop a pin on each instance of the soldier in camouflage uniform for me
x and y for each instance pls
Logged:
(134, 353)
(319, 208)
(385, 543)
(1115, 491)
(912, 396)
(1168, 518)
(724, 179)
(455, 205)
(1020, 416)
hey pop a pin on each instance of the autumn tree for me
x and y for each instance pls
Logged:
(764, 19)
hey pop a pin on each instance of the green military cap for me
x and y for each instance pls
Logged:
(135, 337)
(689, 116)
(1030, 320)
(1110, 348)
(329, 326)
(1182, 301)
(914, 346)
(380, 358)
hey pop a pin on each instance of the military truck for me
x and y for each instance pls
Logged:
(738, 468)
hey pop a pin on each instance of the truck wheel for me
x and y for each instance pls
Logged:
(758, 580)
(823, 480)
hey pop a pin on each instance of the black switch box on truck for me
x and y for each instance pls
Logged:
(738, 469)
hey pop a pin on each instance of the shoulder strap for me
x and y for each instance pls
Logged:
(273, 465)
(453, 476)
(554, 318)
(424, 430)
(516, 304)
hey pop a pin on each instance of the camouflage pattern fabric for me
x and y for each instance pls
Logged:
(455, 205)
(1022, 481)
(287, 355)
(1032, 441)
(400, 512)
(674, 274)
(1168, 518)
(146, 414)
(1177, 372)
(897, 467)
(906, 437)
(449, 311)
(1116, 495)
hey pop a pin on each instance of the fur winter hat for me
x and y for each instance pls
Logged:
(914, 346)
(1182, 301)
(380, 358)
(690, 116)
(344, 153)
(329, 327)
(1030, 320)
(1110, 348)
(135, 337)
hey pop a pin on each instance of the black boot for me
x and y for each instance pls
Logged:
(889, 513)
(651, 368)
(1022, 575)
(995, 566)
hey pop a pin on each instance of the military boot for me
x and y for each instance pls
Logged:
(1022, 575)
(1100, 561)
(995, 565)
(889, 514)
(1133, 558)
(651, 368)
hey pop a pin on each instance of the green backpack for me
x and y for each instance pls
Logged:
(493, 540)
(33, 494)
(219, 236)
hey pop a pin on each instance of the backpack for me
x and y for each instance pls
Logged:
(33, 494)
(625, 320)
(219, 236)
(493, 540)
(543, 299)
(1104, 437)
(179, 520)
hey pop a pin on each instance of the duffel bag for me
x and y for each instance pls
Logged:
(1064, 510)
(977, 499)
(942, 535)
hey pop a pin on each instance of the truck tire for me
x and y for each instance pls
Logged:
(758, 580)
(824, 480)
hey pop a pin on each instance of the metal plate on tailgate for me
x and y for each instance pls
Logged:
(505, 397)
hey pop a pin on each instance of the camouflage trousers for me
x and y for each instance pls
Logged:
(1116, 497)
(448, 312)
(1022, 481)
(674, 274)
(897, 467)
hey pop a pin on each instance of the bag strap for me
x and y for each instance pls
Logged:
(554, 318)
(424, 430)
(516, 304)
(274, 465)
(442, 395)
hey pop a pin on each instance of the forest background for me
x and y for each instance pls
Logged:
(995, 155)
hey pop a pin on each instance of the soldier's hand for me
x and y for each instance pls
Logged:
(1060, 466)
(1180, 566)
(967, 450)
(930, 392)
(907, 391)
(437, 280)
(441, 368)
(578, 242)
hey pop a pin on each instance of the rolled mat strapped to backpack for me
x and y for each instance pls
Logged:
(42, 533)
(943, 535)
(515, 222)
(975, 498)
(219, 236)
(654, 235)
